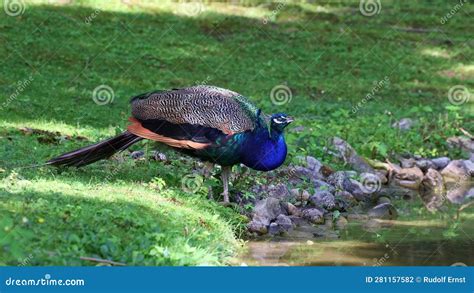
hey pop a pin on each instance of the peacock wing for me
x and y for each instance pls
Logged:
(208, 106)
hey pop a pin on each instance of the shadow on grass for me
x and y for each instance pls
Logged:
(59, 227)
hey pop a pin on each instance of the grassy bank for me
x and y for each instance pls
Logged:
(328, 57)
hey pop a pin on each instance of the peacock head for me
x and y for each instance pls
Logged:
(279, 121)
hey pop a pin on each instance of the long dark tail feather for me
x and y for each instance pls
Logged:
(101, 150)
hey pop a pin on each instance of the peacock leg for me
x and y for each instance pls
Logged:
(225, 181)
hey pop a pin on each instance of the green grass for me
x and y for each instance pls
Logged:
(328, 54)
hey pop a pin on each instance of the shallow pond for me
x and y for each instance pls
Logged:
(435, 240)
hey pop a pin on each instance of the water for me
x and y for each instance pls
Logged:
(441, 240)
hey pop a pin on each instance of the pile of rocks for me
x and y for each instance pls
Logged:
(365, 192)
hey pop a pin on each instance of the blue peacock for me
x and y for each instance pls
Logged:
(207, 122)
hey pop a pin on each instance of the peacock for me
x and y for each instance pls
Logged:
(210, 123)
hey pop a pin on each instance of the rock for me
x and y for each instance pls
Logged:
(469, 165)
(358, 190)
(279, 191)
(432, 190)
(455, 171)
(258, 227)
(265, 211)
(157, 156)
(292, 210)
(425, 164)
(440, 162)
(341, 223)
(340, 180)
(284, 222)
(403, 124)
(324, 199)
(459, 193)
(137, 155)
(383, 211)
(313, 163)
(281, 225)
(273, 229)
(297, 220)
(300, 173)
(321, 185)
(470, 194)
(408, 177)
(299, 195)
(383, 199)
(314, 215)
(464, 143)
(407, 163)
(350, 156)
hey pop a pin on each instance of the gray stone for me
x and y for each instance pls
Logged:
(321, 185)
(284, 222)
(345, 195)
(258, 227)
(274, 229)
(324, 199)
(455, 171)
(299, 194)
(313, 164)
(340, 180)
(464, 143)
(157, 156)
(292, 210)
(403, 124)
(407, 163)
(383, 211)
(265, 211)
(407, 177)
(440, 162)
(350, 156)
(425, 164)
(469, 165)
(137, 155)
(279, 191)
(459, 193)
(314, 215)
(432, 190)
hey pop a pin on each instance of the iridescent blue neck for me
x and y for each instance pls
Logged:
(262, 151)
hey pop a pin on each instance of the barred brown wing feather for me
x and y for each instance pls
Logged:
(199, 105)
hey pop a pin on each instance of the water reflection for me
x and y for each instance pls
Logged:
(369, 243)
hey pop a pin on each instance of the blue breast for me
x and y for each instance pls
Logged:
(263, 152)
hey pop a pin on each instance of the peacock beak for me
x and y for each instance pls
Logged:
(289, 119)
